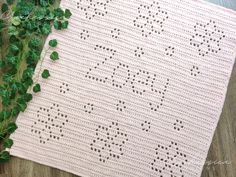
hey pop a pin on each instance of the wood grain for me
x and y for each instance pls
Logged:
(221, 160)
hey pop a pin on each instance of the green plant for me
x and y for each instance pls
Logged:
(24, 26)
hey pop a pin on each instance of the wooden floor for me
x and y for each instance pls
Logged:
(221, 160)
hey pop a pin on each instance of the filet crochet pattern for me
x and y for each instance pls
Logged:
(137, 92)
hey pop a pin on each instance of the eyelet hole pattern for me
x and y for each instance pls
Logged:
(93, 8)
(150, 19)
(109, 142)
(84, 34)
(178, 125)
(170, 51)
(120, 106)
(121, 76)
(138, 52)
(194, 71)
(64, 88)
(146, 126)
(115, 33)
(170, 158)
(207, 38)
(50, 123)
(88, 108)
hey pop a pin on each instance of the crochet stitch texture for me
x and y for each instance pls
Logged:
(138, 89)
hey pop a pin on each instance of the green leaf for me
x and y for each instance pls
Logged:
(45, 74)
(49, 16)
(21, 105)
(27, 82)
(35, 42)
(16, 21)
(10, 2)
(44, 3)
(24, 8)
(4, 115)
(53, 43)
(67, 13)
(21, 87)
(13, 95)
(51, 2)
(8, 78)
(13, 38)
(2, 64)
(46, 29)
(59, 12)
(8, 143)
(11, 127)
(64, 24)
(14, 48)
(32, 57)
(23, 34)
(4, 8)
(12, 31)
(57, 25)
(11, 60)
(4, 93)
(6, 102)
(14, 86)
(54, 56)
(27, 73)
(30, 25)
(27, 97)
(4, 156)
(40, 13)
(36, 88)
(15, 111)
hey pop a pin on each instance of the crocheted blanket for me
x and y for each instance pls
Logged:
(138, 89)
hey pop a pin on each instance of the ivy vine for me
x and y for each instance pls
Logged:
(24, 26)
